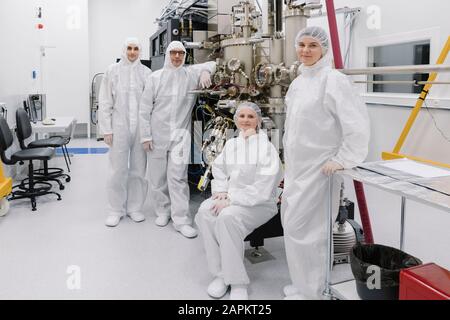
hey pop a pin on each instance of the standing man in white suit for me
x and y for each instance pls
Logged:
(165, 123)
(120, 92)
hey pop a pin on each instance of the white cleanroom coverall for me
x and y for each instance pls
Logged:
(325, 121)
(165, 119)
(120, 92)
(249, 170)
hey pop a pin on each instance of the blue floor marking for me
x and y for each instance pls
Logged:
(84, 150)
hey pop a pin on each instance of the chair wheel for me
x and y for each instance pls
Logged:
(67, 180)
(61, 187)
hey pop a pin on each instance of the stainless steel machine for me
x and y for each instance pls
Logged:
(253, 45)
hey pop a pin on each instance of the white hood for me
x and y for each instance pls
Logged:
(134, 41)
(174, 45)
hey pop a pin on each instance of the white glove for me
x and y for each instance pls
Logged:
(108, 138)
(220, 196)
(219, 205)
(148, 145)
(331, 167)
(205, 79)
(248, 133)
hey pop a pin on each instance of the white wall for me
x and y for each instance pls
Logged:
(19, 53)
(399, 20)
(64, 71)
(79, 53)
(427, 236)
(112, 21)
(67, 65)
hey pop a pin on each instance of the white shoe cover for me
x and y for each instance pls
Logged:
(290, 290)
(162, 221)
(186, 230)
(217, 288)
(296, 296)
(112, 221)
(238, 292)
(137, 216)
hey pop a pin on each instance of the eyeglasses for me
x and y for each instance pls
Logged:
(174, 53)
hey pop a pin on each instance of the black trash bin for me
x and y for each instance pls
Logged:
(389, 260)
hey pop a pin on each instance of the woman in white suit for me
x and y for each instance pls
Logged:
(244, 196)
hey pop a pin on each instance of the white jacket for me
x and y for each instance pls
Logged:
(166, 107)
(249, 170)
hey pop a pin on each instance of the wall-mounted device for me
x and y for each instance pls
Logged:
(3, 110)
(36, 104)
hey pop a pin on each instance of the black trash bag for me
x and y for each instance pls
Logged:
(389, 260)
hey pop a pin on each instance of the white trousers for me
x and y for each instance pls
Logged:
(169, 184)
(127, 186)
(223, 237)
(305, 235)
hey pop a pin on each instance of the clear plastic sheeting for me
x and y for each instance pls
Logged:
(432, 191)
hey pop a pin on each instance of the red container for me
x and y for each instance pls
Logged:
(425, 282)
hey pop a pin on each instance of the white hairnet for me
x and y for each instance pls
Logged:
(250, 105)
(129, 41)
(174, 45)
(319, 34)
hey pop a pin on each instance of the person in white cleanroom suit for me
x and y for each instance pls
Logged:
(244, 196)
(165, 118)
(120, 92)
(326, 129)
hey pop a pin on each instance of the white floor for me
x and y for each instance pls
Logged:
(42, 253)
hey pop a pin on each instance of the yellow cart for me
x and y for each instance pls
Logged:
(5, 190)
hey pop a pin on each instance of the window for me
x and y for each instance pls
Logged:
(411, 53)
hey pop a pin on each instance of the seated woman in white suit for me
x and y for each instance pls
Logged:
(244, 196)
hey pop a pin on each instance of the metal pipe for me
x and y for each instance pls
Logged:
(193, 45)
(359, 188)
(404, 82)
(182, 26)
(340, 10)
(402, 224)
(334, 34)
(327, 292)
(278, 15)
(208, 91)
(397, 69)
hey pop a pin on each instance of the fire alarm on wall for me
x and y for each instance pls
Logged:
(39, 12)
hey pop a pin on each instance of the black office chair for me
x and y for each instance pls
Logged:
(271, 229)
(24, 131)
(67, 139)
(31, 188)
